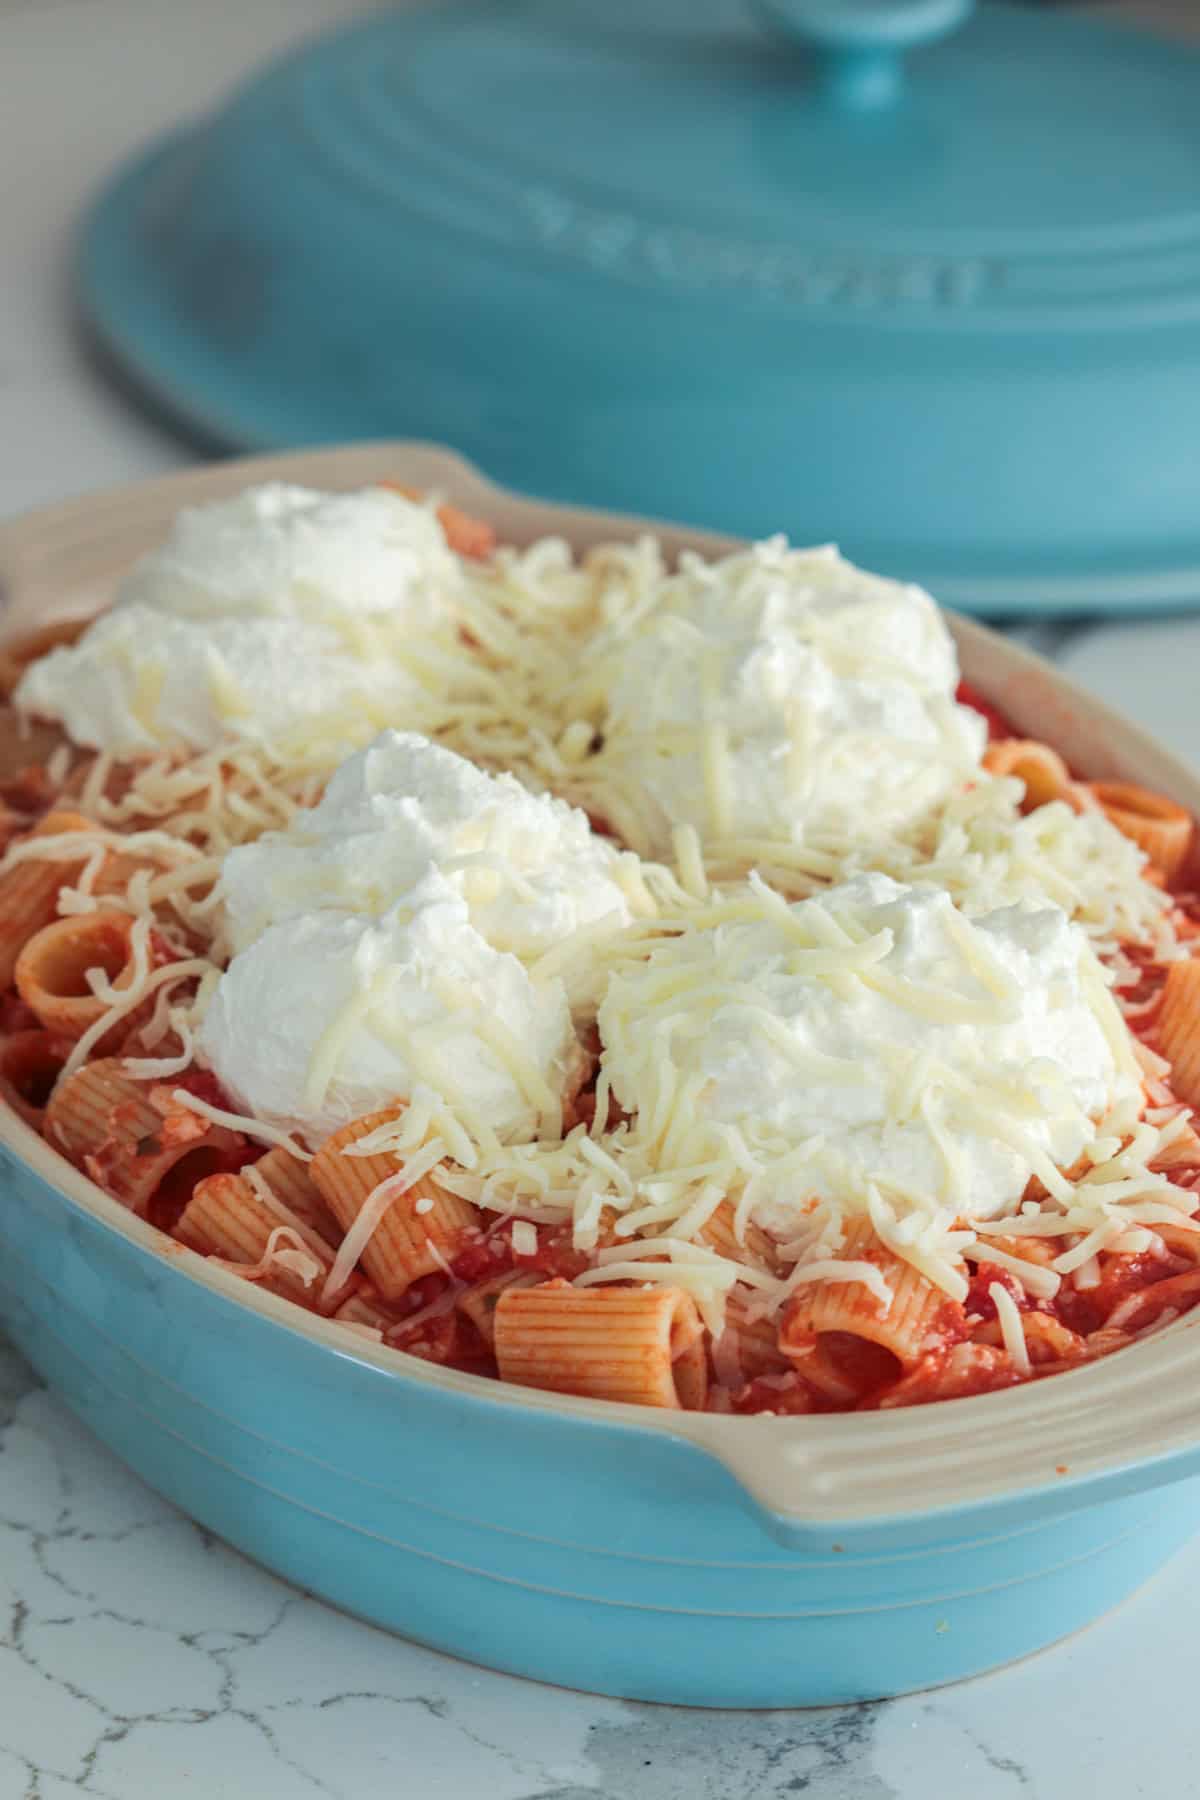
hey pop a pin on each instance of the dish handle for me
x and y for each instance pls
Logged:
(876, 1479)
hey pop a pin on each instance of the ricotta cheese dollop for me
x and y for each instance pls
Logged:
(330, 1015)
(872, 1042)
(778, 693)
(529, 867)
(382, 941)
(261, 618)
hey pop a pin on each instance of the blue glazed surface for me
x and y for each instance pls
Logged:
(660, 267)
(858, 46)
(590, 1555)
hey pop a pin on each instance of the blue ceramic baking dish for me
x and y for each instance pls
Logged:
(702, 1560)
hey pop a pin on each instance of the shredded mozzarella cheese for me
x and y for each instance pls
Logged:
(374, 1209)
(1011, 1328)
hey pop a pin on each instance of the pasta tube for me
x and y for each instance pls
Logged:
(108, 1126)
(908, 1326)
(51, 972)
(643, 1345)
(232, 1217)
(1042, 770)
(1158, 825)
(29, 889)
(1179, 1029)
(399, 1231)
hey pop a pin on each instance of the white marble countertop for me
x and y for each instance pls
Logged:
(141, 1658)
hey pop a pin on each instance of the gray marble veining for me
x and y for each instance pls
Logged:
(135, 1648)
(139, 1657)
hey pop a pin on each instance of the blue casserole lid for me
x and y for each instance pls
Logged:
(916, 277)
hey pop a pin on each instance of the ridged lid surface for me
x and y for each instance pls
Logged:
(674, 260)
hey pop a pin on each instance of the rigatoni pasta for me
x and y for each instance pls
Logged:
(721, 1232)
(1040, 769)
(405, 1225)
(239, 1220)
(870, 1294)
(290, 1181)
(644, 1346)
(52, 971)
(133, 1140)
(478, 1302)
(1179, 1029)
(46, 860)
(620, 1235)
(1160, 827)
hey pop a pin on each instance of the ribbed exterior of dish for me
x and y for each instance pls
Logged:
(601, 1557)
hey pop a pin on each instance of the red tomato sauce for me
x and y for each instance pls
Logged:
(202, 1084)
(998, 725)
(979, 1300)
(16, 1016)
(555, 1256)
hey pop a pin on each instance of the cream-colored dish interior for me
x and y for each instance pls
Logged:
(1136, 1406)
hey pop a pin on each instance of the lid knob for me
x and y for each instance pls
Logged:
(859, 45)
